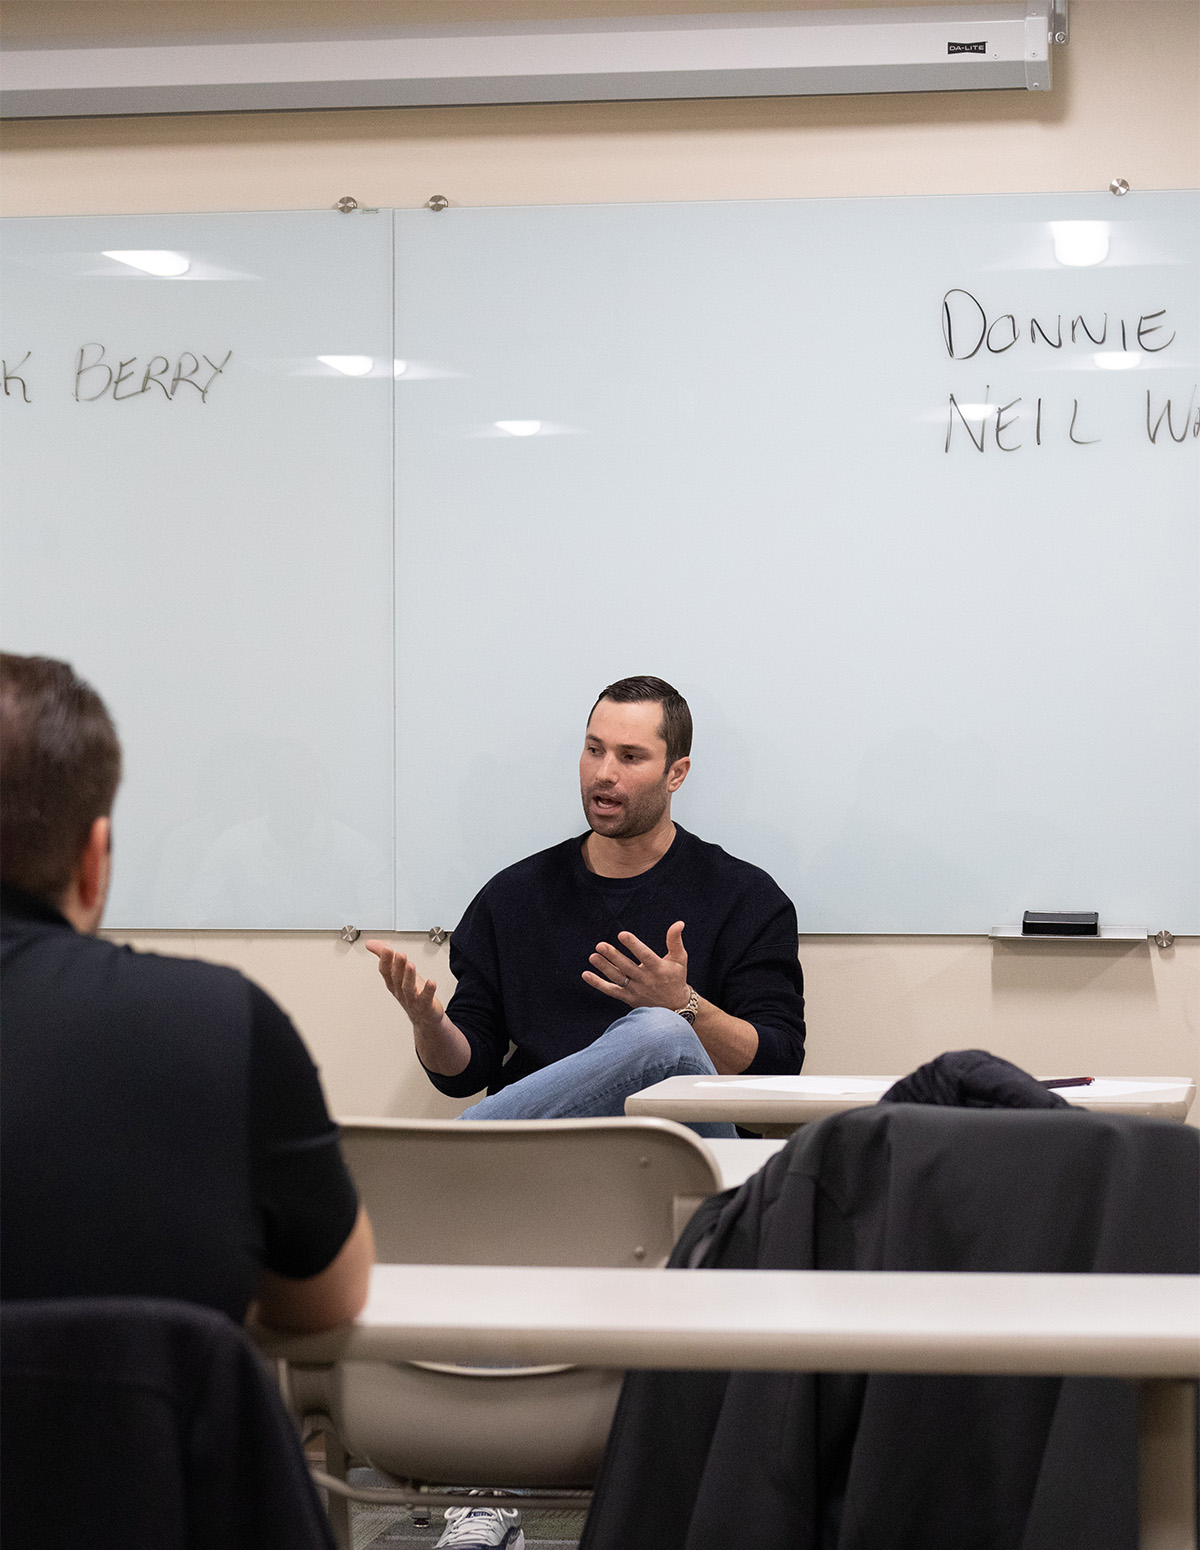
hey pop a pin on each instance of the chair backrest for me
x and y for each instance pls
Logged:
(527, 1192)
(510, 1192)
(135, 1424)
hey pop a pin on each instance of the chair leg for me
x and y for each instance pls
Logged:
(338, 1507)
(1167, 1467)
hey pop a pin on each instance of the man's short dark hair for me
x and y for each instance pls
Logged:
(676, 728)
(60, 765)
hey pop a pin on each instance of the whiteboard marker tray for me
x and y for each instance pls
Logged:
(1105, 934)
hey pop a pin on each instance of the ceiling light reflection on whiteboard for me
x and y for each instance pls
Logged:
(1078, 244)
(1114, 360)
(503, 430)
(348, 365)
(399, 368)
(155, 261)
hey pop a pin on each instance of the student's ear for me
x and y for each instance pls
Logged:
(677, 774)
(92, 869)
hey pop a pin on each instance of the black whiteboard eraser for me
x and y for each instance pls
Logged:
(1049, 923)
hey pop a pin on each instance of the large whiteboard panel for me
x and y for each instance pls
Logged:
(215, 556)
(934, 606)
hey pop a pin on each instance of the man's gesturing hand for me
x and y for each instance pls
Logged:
(441, 1046)
(415, 995)
(644, 979)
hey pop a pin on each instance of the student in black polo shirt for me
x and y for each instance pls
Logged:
(163, 1128)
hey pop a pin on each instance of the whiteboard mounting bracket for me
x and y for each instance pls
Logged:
(1060, 21)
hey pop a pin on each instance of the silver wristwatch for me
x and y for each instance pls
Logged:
(688, 1012)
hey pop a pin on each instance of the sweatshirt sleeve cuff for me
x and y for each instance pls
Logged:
(472, 1079)
(776, 1055)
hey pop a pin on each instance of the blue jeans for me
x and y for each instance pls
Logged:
(646, 1046)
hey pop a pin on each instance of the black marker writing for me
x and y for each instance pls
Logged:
(187, 376)
(125, 376)
(1079, 322)
(1157, 329)
(11, 376)
(954, 409)
(1074, 437)
(1014, 333)
(1165, 413)
(967, 329)
(91, 364)
(964, 324)
(153, 373)
(1002, 425)
(216, 371)
(84, 369)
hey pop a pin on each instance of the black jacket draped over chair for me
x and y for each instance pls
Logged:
(763, 1461)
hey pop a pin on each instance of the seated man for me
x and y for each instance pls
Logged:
(163, 1130)
(619, 898)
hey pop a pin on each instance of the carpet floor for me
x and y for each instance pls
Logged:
(391, 1528)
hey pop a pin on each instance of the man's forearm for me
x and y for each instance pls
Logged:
(731, 1042)
(333, 1296)
(441, 1047)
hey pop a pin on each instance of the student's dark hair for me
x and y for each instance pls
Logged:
(676, 728)
(60, 764)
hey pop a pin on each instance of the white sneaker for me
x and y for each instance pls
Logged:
(482, 1528)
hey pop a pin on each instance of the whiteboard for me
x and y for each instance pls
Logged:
(934, 605)
(926, 574)
(214, 553)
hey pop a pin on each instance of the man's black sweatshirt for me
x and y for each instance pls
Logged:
(520, 950)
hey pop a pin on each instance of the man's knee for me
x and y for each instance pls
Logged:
(664, 1038)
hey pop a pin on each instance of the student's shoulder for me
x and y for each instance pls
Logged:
(110, 964)
(194, 977)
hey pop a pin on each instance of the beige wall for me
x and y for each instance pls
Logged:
(876, 1006)
(1126, 103)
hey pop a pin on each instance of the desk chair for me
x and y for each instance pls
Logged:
(513, 1192)
(132, 1424)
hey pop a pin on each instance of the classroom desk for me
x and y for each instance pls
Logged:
(777, 1105)
(1142, 1327)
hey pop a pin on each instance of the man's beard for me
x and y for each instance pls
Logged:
(635, 816)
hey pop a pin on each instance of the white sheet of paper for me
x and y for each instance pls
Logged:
(1125, 1087)
(809, 1086)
